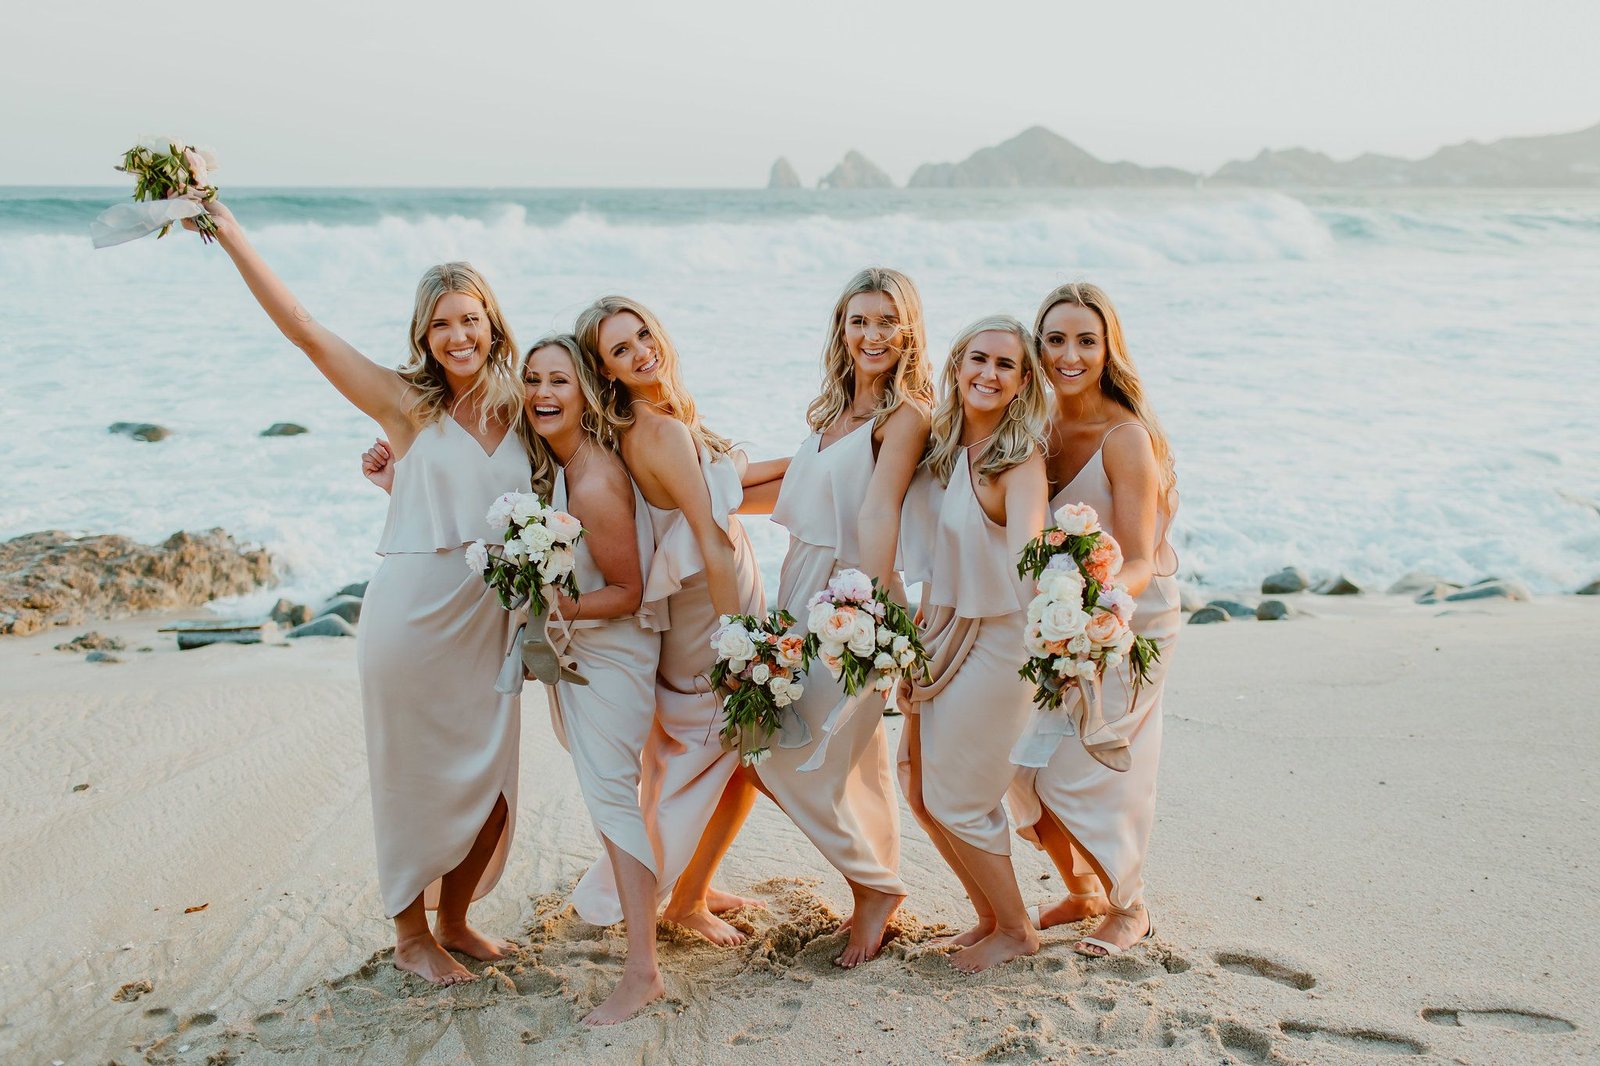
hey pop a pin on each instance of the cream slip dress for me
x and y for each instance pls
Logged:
(441, 742)
(844, 801)
(1110, 813)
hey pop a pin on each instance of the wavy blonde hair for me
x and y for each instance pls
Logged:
(1021, 428)
(540, 456)
(912, 379)
(498, 381)
(1119, 379)
(616, 410)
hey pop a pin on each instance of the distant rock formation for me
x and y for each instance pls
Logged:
(1562, 160)
(1039, 158)
(53, 578)
(856, 171)
(783, 175)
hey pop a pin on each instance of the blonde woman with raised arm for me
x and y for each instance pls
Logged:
(987, 501)
(1093, 812)
(703, 566)
(441, 742)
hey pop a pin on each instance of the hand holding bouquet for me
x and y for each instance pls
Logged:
(856, 629)
(761, 663)
(171, 182)
(533, 562)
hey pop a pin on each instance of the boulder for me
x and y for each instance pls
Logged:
(1491, 589)
(358, 590)
(52, 578)
(289, 614)
(1289, 579)
(284, 429)
(145, 431)
(1591, 589)
(1189, 599)
(1337, 586)
(346, 607)
(1417, 582)
(1207, 615)
(102, 657)
(91, 641)
(1275, 611)
(328, 625)
(1234, 608)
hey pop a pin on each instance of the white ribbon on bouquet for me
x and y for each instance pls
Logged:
(121, 223)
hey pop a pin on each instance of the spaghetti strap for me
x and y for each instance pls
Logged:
(1131, 422)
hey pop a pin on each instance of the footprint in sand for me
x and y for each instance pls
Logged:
(1515, 1020)
(782, 1022)
(1256, 966)
(1244, 1043)
(1362, 1041)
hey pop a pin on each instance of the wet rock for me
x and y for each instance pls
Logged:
(145, 431)
(1234, 608)
(1275, 611)
(346, 607)
(357, 589)
(1337, 586)
(52, 578)
(1591, 589)
(286, 613)
(328, 625)
(284, 429)
(1207, 615)
(193, 635)
(1491, 589)
(102, 657)
(92, 641)
(1289, 579)
(1190, 599)
(1418, 582)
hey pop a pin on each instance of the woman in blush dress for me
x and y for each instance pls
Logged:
(840, 501)
(695, 794)
(441, 742)
(1108, 451)
(982, 500)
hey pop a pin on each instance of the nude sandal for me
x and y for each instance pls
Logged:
(1036, 912)
(1109, 948)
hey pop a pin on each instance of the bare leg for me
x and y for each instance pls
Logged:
(416, 951)
(866, 923)
(1086, 897)
(1013, 934)
(1123, 928)
(688, 906)
(450, 926)
(641, 979)
(941, 840)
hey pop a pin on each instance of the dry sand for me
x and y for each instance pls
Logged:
(1377, 837)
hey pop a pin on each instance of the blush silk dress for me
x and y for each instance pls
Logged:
(1110, 814)
(441, 742)
(846, 805)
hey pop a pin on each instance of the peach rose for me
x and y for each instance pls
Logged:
(1105, 628)
(1105, 562)
(839, 626)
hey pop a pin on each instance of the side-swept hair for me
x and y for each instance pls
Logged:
(498, 381)
(911, 380)
(1021, 428)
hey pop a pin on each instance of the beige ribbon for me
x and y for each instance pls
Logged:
(1081, 713)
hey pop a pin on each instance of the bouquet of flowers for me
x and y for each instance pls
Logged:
(761, 662)
(856, 629)
(1078, 624)
(534, 560)
(171, 182)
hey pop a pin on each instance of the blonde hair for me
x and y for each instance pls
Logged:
(911, 380)
(1021, 428)
(615, 409)
(498, 381)
(1119, 379)
(542, 460)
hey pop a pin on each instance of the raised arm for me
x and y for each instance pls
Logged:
(667, 460)
(377, 390)
(603, 502)
(1130, 462)
(905, 437)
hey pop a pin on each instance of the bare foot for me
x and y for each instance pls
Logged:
(994, 949)
(1121, 928)
(708, 925)
(632, 994)
(472, 943)
(984, 927)
(866, 924)
(423, 956)
(1072, 908)
(719, 902)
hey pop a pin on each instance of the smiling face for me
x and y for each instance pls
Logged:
(552, 397)
(992, 371)
(872, 332)
(1073, 348)
(629, 352)
(458, 335)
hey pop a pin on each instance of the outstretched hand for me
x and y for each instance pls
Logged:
(377, 465)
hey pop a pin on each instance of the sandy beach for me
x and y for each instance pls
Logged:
(1375, 834)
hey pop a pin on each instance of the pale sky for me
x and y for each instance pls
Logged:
(291, 92)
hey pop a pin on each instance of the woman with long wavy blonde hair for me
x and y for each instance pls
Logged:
(840, 501)
(982, 497)
(441, 742)
(692, 481)
(1092, 811)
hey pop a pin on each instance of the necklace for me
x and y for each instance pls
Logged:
(571, 465)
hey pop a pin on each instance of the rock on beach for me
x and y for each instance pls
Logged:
(1208, 615)
(1289, 579)
(145, 431)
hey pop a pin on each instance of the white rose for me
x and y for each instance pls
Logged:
(1064, 666)
(1033, 642)
(761, 674)
(1037, 605)
(885, 636)
(900, 644)
(563, 526)
(832, 649)
(907, 657)
(885, 682)
(157, 145)
(733, 642)
(538, 537)
(499, 515)
(818, 616)
(884, 661)
(1077, 519)
(477, 557)
(862, 641)
(1113, 660)
(852, 584)
(1086, 669)
(557, 564)
(1062, 621)
(1062, 584)
(515, 550)
(1079, 645)
(525, 507)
